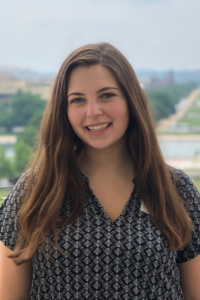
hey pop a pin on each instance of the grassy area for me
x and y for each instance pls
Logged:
(194, 108)
(196, 182)
(7, 133)
(192, 116)
(3, 194)
(191, 121)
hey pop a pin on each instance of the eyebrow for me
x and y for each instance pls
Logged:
(99, 91)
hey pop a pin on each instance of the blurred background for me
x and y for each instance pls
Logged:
(158, 37)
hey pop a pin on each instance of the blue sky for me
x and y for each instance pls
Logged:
(152, 34)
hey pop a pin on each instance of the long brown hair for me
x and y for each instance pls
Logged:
(54, 175)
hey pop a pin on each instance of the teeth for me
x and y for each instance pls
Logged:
(99, 127)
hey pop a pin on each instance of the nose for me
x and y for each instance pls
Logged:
(93, 109)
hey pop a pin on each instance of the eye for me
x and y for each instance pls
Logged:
(77, 100)
(107, 95)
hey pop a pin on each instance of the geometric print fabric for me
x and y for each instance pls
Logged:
(126, 259)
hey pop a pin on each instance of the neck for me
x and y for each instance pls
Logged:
(114, 159)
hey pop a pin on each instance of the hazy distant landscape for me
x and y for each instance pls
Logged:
(24, 94)
(164, 52)
(178, 76)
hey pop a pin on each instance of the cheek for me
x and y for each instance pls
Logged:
(74, 117)
(120, 113)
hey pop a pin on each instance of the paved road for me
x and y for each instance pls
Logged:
(164, 124)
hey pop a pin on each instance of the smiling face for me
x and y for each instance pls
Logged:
(97, 108)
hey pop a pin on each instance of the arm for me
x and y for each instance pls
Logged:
(190, 278)
(188, 258)
(15, 281)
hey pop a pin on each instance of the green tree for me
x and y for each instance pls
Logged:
(36, 119)
(24, 106)
(162, 101)
(28, 135)
(22, 154)
(6, 166)
(2, 114)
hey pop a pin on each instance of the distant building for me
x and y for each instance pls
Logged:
(9, 85)
(154, 82)
(169, 79)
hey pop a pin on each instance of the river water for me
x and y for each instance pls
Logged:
(180, 148)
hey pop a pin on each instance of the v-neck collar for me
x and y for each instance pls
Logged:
(94, 198)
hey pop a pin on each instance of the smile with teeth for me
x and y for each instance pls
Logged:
(98, 127)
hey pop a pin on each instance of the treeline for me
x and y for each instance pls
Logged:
(162, 101)
(26, 110)
(23, 110)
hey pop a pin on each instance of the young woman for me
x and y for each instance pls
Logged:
(100, 215)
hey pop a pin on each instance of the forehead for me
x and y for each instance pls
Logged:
(98, 75)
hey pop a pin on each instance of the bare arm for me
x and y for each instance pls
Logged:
(15, 281)
(190, 278)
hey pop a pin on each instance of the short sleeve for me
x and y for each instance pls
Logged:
(8, 214)
(190, 194)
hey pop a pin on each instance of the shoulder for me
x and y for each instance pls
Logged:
(10, 210)
(184, 185)
(18, 192)
(190, 195)
(181, 178)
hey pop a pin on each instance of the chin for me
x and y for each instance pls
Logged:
(100, 146)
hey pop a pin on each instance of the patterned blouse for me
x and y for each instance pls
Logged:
(128, 258)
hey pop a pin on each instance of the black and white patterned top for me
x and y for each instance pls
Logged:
(127, 258)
